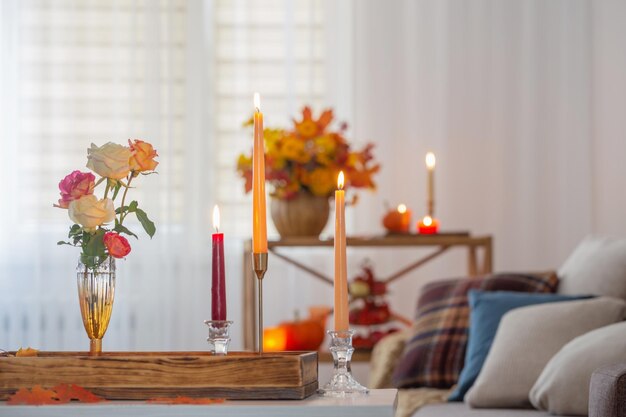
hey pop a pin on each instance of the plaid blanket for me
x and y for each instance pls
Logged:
(434, 356)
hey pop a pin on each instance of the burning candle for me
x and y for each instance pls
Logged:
(430, 165)
(218, 282)
(259, 224)
(341, 267)
(427, 226)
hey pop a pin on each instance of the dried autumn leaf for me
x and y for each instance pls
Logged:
(34, 396)
(185, 400)
(26, 352)
(66, 393)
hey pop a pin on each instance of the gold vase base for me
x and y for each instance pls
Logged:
(95, 347)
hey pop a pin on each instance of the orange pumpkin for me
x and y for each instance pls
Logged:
(297, 335)
(398, 221)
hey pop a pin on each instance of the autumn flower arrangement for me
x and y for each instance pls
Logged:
(308, 157)
(98, 223)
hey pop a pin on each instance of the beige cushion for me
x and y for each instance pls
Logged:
(385, 355)
(526, 340)
(563, 387)
(597, 266)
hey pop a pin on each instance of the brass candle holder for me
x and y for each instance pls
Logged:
(259, 266)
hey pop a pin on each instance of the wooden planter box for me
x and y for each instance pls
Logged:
(145, 375)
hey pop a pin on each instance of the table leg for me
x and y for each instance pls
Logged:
(472, 263)
(488, 257)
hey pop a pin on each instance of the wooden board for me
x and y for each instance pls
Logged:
(145, 375)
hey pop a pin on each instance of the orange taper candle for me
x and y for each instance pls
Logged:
(341, 268)
(259, 223)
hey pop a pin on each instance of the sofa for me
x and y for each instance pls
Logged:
(607, 390)
(566, 356)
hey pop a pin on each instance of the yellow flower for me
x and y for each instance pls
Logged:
(293, 148)
(325, 147)
(353, 159)
(322, 181)
(244, 162)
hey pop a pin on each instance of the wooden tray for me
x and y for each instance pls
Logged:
(145, 375)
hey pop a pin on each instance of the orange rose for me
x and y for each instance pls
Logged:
(143, 156)
(116, 244)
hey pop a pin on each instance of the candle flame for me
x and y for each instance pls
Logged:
(216, 218)
(257, 101)
(340, 180)
(427, 220)
(430, 160)
(402, 209)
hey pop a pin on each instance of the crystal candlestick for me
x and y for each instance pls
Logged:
(219, 336)
(342, 383)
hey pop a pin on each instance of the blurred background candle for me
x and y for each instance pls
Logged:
(428, 226)
(259, 223)
(218, 278)
(430, 165)
(341, 268)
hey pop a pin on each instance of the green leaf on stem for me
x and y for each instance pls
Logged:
(75, 230)
(62, 242)
(131, 208)
(122, 229)
(116, 189)
(94, 251)
(148, 225)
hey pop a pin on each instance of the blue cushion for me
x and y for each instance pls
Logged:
(486, 310)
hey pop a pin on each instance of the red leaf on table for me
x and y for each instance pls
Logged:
(185, 400)
(34, 396)
(66, 393)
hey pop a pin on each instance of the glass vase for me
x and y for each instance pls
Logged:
(96, 291)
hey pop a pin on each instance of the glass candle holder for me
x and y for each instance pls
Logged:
(342, 383)
(219, 336)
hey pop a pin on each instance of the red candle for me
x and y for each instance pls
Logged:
(427, 226)
(218, 283)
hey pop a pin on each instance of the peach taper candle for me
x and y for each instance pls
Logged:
(341, 268)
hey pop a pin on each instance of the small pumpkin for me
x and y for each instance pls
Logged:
(297, 335)
(398, 221)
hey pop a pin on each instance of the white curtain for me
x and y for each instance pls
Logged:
(77, 72)
(522, 103)
(179, 74)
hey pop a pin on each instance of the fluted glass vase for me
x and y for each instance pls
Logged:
(96, 291)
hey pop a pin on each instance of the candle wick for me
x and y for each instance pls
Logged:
(257, 109)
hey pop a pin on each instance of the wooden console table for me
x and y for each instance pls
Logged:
(477, 263)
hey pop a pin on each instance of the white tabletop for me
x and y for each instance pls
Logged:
(378, 403)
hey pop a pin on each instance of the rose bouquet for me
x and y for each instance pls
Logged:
(308, 157)
(98, 224)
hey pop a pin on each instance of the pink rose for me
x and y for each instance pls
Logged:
(116, 244)
(74, 186)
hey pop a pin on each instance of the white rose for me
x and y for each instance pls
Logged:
(110, 160)
(90, 212)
